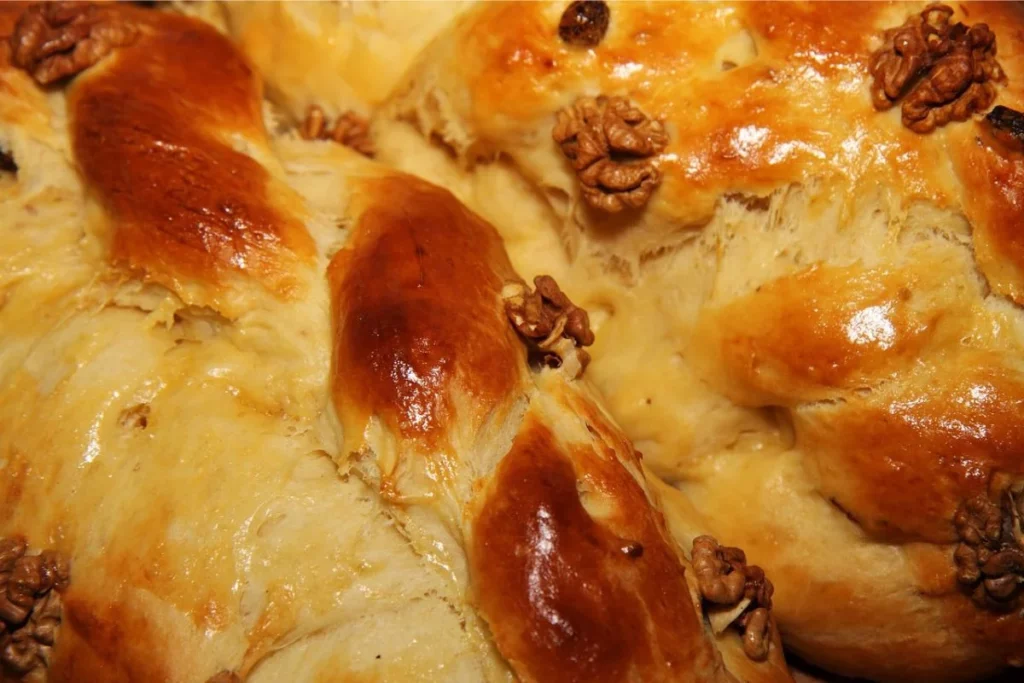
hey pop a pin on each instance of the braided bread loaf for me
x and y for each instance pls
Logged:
(274, 405)
(796, 228)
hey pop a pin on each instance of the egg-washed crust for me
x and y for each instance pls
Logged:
(565, 598)
(166, 131)
(798, 108)
(891, 456)
(896, 376)
(571, 595)
(185, 207)
(431, 354)
(417, 310)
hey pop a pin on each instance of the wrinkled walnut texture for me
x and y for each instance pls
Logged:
(611, 145)
(30, 605)
(757, 633)
(724, 578)
(943, 71)
(349, 129)
(584, 23)
(57, 40)
(545, 315)
(990, 557)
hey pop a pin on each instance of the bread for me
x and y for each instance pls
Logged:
(361, 49)
(805, 282)
(267, 407)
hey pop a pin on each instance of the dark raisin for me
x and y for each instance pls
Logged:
(1007, 126)
(7, 162)
(633, 550)
(584, 23)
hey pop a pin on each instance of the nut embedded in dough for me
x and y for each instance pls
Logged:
(611, 145)
(30, 605)
(349, 129)
(56, 40)
(945, 72)
(990, 557)
(724, 578)
(757, 633)
(720, 580)
(546, 315)
(909, 50)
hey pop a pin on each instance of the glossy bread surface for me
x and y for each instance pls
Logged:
(265, 396)
(811, 328)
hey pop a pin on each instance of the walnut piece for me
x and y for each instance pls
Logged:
(945, 72)
(55, 40)
(30, 605)
(349, 129)
(990, 557)
(584, 23)
(907, 53)
(546, 315)
(611, 145)
(757, 633)
(721, 581)
(1005, 127)
(724, 578)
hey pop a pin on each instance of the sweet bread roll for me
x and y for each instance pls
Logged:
(796, 229)
(270, 411)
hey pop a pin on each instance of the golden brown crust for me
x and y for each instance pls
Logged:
(770, 119)
(106, 641)
(994, 201)
(900, 466)
(436, 321)
(573, 598)
(419, 328)
(569, 562)
(184, 204)
(883, 381)
(886, 452)
(522, 75)
(853, 324)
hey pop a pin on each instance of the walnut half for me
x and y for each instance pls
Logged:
(725, 578)
(611, 145)
(54, 40)
(943, 71)
(30, 605)
(349, 129)
(990, 557)
(545, 316)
